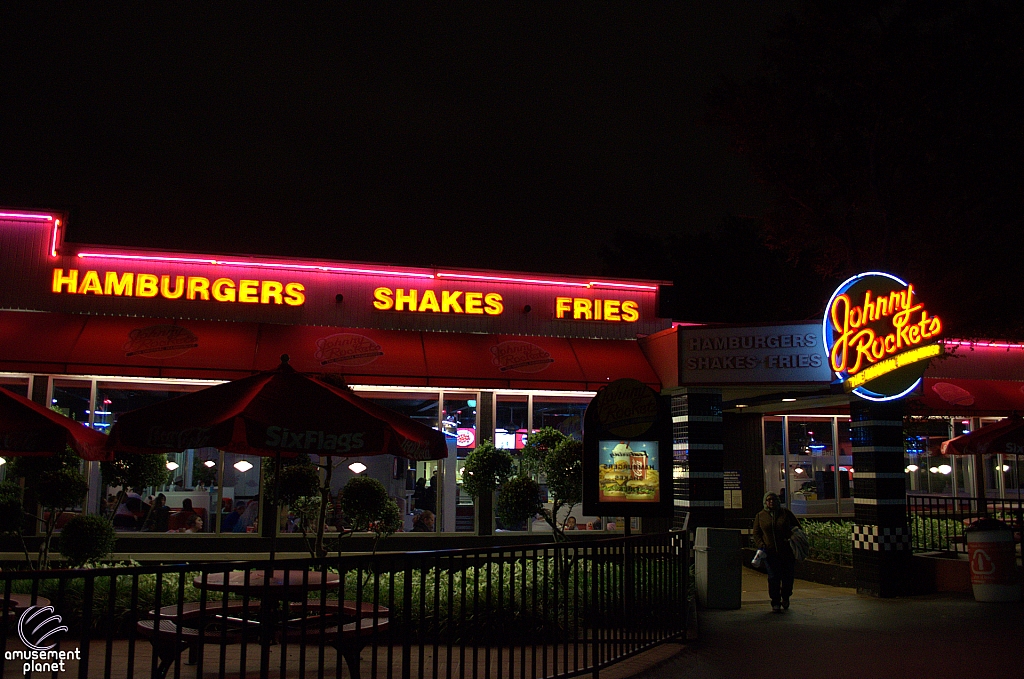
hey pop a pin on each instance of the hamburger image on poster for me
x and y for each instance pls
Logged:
(628, 471)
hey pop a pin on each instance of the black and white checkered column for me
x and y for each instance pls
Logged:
(697, 457)
(881, 537)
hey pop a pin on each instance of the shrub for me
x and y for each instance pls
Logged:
(486, 468)
(519, 501)
(86, 538)
(367, 507)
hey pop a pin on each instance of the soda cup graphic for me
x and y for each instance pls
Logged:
(638, 465)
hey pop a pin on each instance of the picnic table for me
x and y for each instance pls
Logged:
(277, 610)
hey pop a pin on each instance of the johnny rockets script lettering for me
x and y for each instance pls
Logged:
(856, 345)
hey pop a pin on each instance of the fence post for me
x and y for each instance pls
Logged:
(408, 627)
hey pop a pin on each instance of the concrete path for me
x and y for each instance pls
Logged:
(833, 632)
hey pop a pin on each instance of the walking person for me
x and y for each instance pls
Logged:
(773, 527)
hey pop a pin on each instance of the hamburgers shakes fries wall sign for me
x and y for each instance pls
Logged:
(879, 336)
(627, 452)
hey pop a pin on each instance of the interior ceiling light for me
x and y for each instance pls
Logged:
(210, 463)
(172, 465)
(242, 466)
(788, 400)
(357, 467)
(2, 462)
(912, 467)
(944, 468)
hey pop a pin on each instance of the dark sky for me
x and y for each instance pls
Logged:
(498, 136)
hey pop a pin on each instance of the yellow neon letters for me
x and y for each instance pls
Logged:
(132, 284)
(857, 346)
(426, 301)
(584, 309)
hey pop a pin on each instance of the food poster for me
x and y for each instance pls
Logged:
(629, 471)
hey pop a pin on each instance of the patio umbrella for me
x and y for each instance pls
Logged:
(279, 411)
(27, 428)
(1005, 437)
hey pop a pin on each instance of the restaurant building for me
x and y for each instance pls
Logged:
(97, 331)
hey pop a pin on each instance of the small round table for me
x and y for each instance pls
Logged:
(282, 584)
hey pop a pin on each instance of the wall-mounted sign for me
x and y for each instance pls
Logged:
(132, 284)
(752, 354)
(585, 309)
(346, 350)
(627, 448)
(160, 341)
(444, 302)
(879, 336)
(62, 277)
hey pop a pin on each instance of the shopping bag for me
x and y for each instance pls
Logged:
(799, 544)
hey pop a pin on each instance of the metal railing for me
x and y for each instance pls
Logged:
(937, 523)
(550, 610)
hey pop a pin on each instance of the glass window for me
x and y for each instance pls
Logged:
(813, 482)
(564, 413)
(115, 398)
(511, 421)
(16, 385)
(71, 398)
(774, 470)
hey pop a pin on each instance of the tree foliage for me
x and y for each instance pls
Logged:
(519, 501)
(486, 469)
(131, 470)
(86, 538)
(889, 139)
(366, 506)
(58, 484)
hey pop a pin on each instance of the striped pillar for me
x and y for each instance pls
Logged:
(697, 457)
(881, 537)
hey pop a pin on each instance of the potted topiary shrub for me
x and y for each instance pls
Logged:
(58, 484)
(86, 539)
(486, 468)
(366, 506)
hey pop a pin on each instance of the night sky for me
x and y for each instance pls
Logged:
(514, 136)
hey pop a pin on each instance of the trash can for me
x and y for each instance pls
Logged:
(993, 560)
(718, 566)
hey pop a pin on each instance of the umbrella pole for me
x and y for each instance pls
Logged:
(275, 510)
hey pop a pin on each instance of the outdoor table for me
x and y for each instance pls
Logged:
(283, 585)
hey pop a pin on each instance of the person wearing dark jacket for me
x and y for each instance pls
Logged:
(773, 526)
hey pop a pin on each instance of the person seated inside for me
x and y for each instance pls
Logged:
(424, 522)
(227, 525)
(570, 523)
(247, 521)
(159, 515)
(130, 512)
(193, 524)
(186, 509)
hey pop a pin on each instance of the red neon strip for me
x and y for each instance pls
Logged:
(509, 279)
(24, 215)
(53, 241)
(996, 345)
(629, 286)
(268, 265)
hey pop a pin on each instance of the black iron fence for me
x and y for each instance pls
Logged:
(938, 523)
(552, 610)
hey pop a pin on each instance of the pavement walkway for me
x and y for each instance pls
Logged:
(834, 632)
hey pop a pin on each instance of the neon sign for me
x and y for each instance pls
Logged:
(878, 336)
(585, 309)
(132, 284)
(428, 301)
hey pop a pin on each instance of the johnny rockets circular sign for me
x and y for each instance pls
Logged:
(879, 336)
